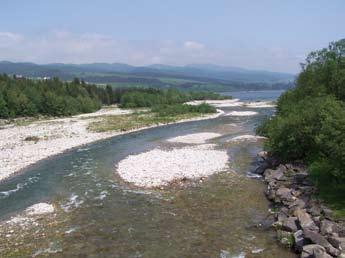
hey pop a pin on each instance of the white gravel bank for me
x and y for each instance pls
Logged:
(196, 138)
(241, 113)
(261, 104)
(246, 137)
(29, 216)
(159, 167)
(55, 136)
(218, 103)
(40, 209)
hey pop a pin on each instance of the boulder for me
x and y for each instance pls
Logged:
(263, 155)
(284, 195)
(290, 224)
(318, 239)
(262, 168)
(337, 242)
(328, 227)
(326, 212)
(298, 203)
(307, 190)
(295, 167)
(281, 216)
(315, 210)
(299, 241)
(305, 220)
(277, 174)
(314, 251)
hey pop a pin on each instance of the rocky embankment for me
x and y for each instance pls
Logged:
(302, 223)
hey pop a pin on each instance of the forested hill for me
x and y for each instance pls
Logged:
(190, 77)
(53, 97)
(310, 122)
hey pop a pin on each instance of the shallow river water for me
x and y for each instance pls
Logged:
(98, 215)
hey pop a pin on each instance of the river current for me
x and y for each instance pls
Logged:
(98, 215)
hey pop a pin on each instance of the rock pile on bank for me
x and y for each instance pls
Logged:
(302, 223)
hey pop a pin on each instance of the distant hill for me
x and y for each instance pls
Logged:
(193, 76)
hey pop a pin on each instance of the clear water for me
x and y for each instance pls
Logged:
(98, 215)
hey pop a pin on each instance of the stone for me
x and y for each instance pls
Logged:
(300, 178)
(318, 239)
(262, 168)
(284, 194)
(281, 216)
(305, 220)
(296, 193)
(315, 210)
(328, 227)
(314, 251)
(295, 167)
(298, 241)
(327, 212)
(317, 220)
(285, 238)
(277, 174)
(290, 224)
(298, 203)
(337, 242)
(273, 161)
(263, 155)
(307, 190)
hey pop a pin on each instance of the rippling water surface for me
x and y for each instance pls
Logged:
(100, 216)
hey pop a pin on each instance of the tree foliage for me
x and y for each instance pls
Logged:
(310, 121)
(26, 97)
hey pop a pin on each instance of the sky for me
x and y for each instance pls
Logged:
(273, 35)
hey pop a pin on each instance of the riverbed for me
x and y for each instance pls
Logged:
(97, 214)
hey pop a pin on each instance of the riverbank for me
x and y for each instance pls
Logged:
(28, 142)
(303, 223)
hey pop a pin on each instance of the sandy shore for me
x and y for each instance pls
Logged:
(54, 136)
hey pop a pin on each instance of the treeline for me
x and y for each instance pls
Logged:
(310, 121)
(27, 97)
(179, 109)
(137, 97)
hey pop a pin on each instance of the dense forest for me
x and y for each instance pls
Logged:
(27, 97)
(310, 121)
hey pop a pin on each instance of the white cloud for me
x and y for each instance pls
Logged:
(193, 45)
(67, 47)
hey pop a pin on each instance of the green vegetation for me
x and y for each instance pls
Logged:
(25, 97)
(310, 122)
(158, 115)
(135, 98)
(180, 109)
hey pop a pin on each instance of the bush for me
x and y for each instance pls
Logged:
(179, 109)
(310, 121)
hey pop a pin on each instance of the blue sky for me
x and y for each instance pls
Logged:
(267, 34)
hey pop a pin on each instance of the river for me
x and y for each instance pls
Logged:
(98, 215)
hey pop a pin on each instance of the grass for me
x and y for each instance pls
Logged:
(136, 120)
(334, 198)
